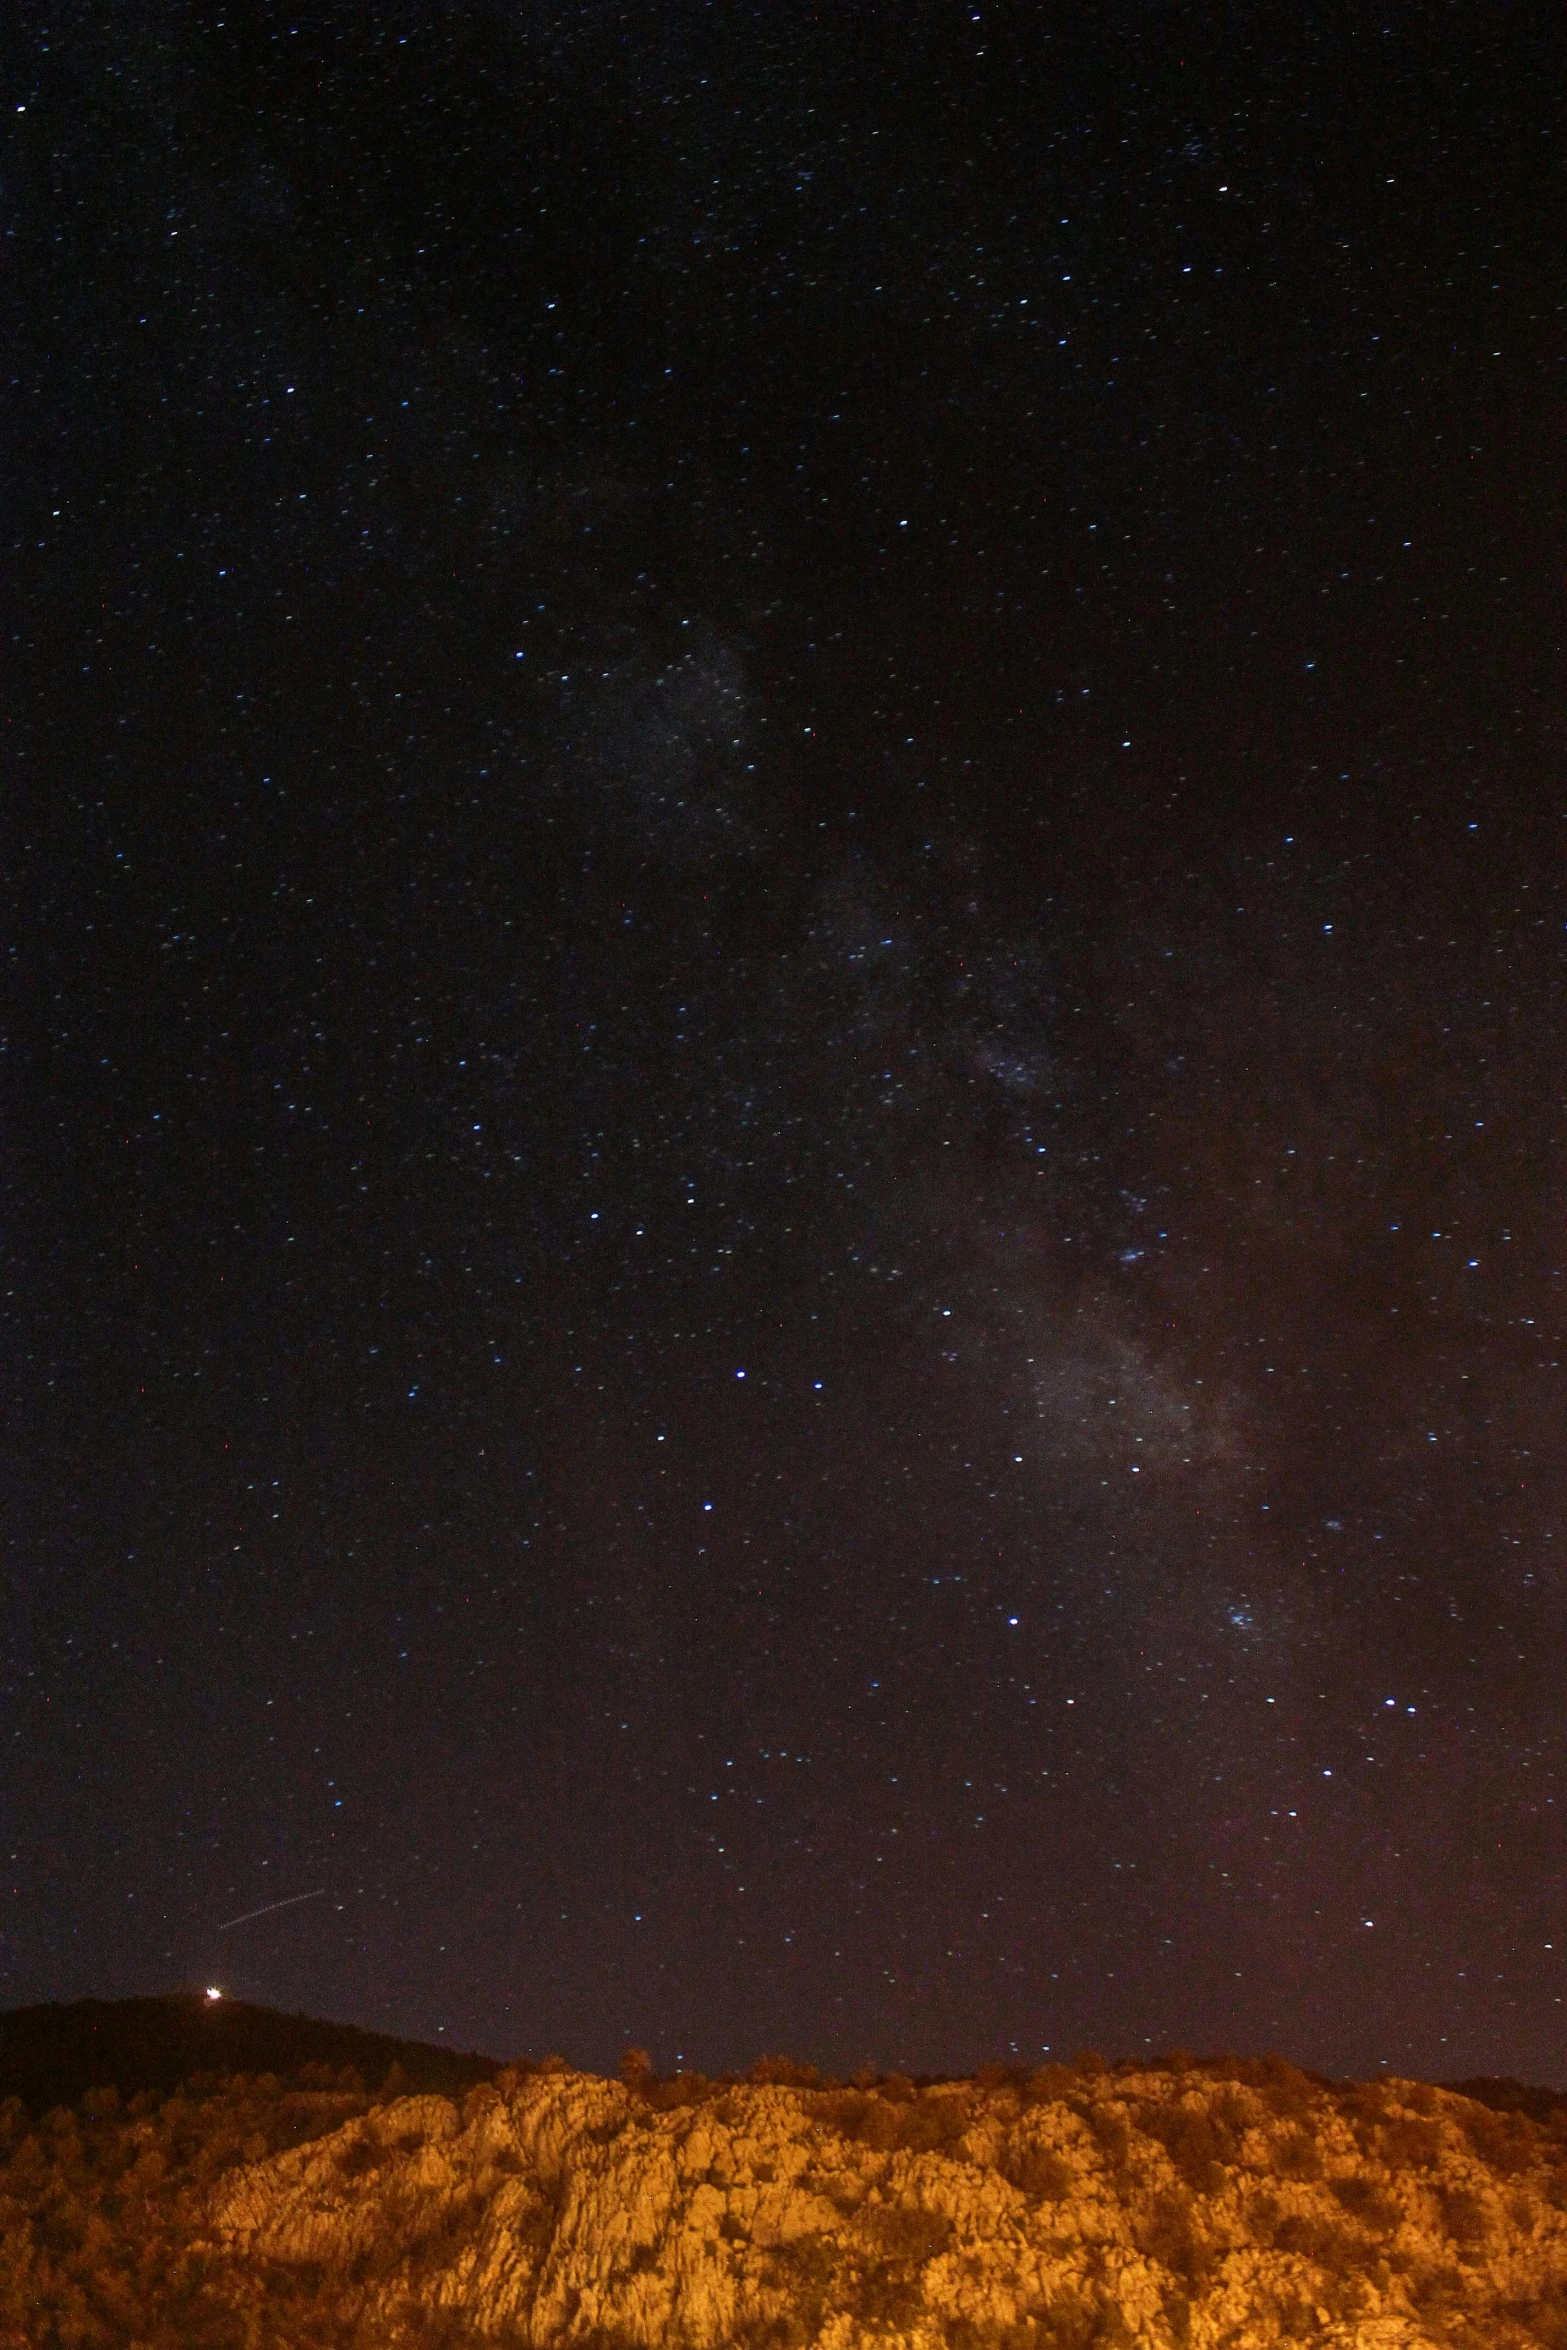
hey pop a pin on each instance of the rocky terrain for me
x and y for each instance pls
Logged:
(1178, 2207)
(1245, 2206)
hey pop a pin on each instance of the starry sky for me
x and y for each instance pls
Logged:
(782, 1141)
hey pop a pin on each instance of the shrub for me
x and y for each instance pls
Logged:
(1505, 2142)
(891, 2123)
(1073, 2323)
(906, 2231)
(992, 2333)
(932, 2122)
(677, 2090)
(1296, 2156)
(1194, 2144)
(1168, 2236)
(782, 2072)
(1311, 2236)
(802, 2270)
(1039, 2172)
(888, 2298)
(839, 2109)
(1407, 2143)
(636, 2070)
(1548, 2317)
(1434, 2288)
(1283, 2087)
(1464, 2215)
(363, 2156)
(1364, 2200)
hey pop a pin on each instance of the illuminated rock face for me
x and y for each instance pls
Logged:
(1176, 2211)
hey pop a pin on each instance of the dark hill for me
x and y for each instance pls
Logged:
(52, 2055)
(1505, 2095)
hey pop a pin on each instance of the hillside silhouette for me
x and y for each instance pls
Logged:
(53, 2055)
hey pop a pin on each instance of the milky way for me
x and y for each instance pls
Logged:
(783, 1181)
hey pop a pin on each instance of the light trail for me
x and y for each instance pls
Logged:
(266, 1910)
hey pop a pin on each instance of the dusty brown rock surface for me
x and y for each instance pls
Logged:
(1189, 2209)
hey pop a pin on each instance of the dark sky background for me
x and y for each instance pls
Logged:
(782, 1143)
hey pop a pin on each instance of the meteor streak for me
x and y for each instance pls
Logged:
(269, 1907)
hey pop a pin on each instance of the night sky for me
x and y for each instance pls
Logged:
(784, 1035)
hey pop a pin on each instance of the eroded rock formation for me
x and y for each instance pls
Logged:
(1186, 2209)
